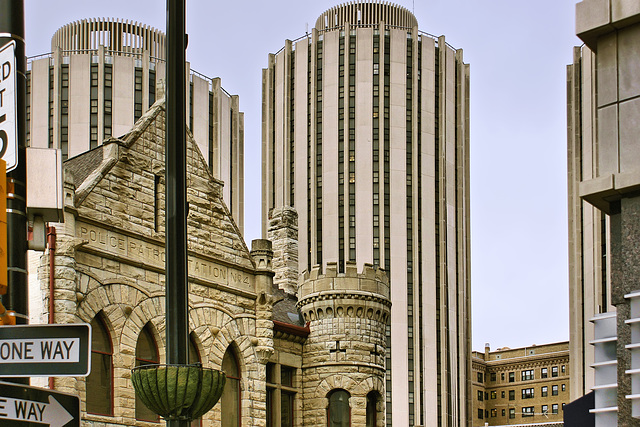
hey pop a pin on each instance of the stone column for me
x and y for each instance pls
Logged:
(283, 232)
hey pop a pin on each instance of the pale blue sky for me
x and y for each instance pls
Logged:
(518, 51)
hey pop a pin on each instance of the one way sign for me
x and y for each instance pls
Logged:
(23, 406)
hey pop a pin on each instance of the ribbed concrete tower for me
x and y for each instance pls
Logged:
(347, 315)
(102, 75)
(366, 135)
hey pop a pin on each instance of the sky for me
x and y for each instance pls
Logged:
(518, 51)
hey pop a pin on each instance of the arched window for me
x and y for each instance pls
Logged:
(372, 409)
(230, 400)
(146, 354)
(339, 411)
(100, 381)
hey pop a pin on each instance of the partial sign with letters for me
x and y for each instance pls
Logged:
(8, 106)
(24, 406)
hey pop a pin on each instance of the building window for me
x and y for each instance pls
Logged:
(545, 391)
(504, 412)
(512, 395)
(281, 393)
(527, 411)
(230, 400)
(554, 390)
(544, 372)
(480, 395)
(564, 387)
(554, 408)
(494, 413)
(493, 376)
(100, 381)
(563, 369)
(545, 409)
(554, 371)
(480, 378)
(502, 376)
(512, 377)
(527, 393)
(527, 375)
(372, 409)
(494, 394)
(339, 411)
(480, 414)
(502, 394)
(512, 413)
(146, 354)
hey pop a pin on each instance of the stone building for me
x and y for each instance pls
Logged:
(103, 74)
(604, 178)
(366, 136)
(289, 362)
(521, 386)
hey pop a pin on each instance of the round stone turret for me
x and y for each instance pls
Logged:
(347, 315)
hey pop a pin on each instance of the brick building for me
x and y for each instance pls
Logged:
(522, 386)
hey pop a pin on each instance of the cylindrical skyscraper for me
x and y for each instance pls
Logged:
(366, 135)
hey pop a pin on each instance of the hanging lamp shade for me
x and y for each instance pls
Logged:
(178, 392)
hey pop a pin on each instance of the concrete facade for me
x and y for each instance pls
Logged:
(366, 135)
(108, 264)
(102, 75)
(604, 178)
(521, 386)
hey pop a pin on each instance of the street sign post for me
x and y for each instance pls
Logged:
(45, 350)
(8, 106)
(23, 406)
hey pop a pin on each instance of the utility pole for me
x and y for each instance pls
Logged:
(176, 279)
(12, 30)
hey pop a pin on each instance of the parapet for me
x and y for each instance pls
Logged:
(372, 280)
(366, 14)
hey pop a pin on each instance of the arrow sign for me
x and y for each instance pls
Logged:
(45, 350)
(22, 406)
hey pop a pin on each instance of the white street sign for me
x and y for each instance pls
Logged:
(8, 106)
(50, 414)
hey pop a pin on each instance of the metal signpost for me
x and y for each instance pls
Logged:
(45, 350)
(23, 406)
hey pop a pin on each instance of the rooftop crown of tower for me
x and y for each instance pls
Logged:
(366, 14)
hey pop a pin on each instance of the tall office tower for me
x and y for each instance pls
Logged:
(366, 136)
(102, 75)
(604, 209)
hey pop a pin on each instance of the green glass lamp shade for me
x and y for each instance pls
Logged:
(178, 392)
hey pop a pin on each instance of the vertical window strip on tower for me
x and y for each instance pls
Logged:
(93, 108)
(292, 152)
(375, 160)
(108, 89)
(341, 66)
(437, 232)
(28, 109)
(409, 225)
(386, 201)
(51, 104)
(210, 154)
(137, 95)
(603, 267)
(152, 87)
(191, 106)
(64, 111)
(232, 130)
(319, 151)
(352, 145)
(419, 233)
(309, 160)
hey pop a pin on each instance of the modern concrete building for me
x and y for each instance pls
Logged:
(102, 75)
(604, 178)
(521, 386)
(366, 137)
